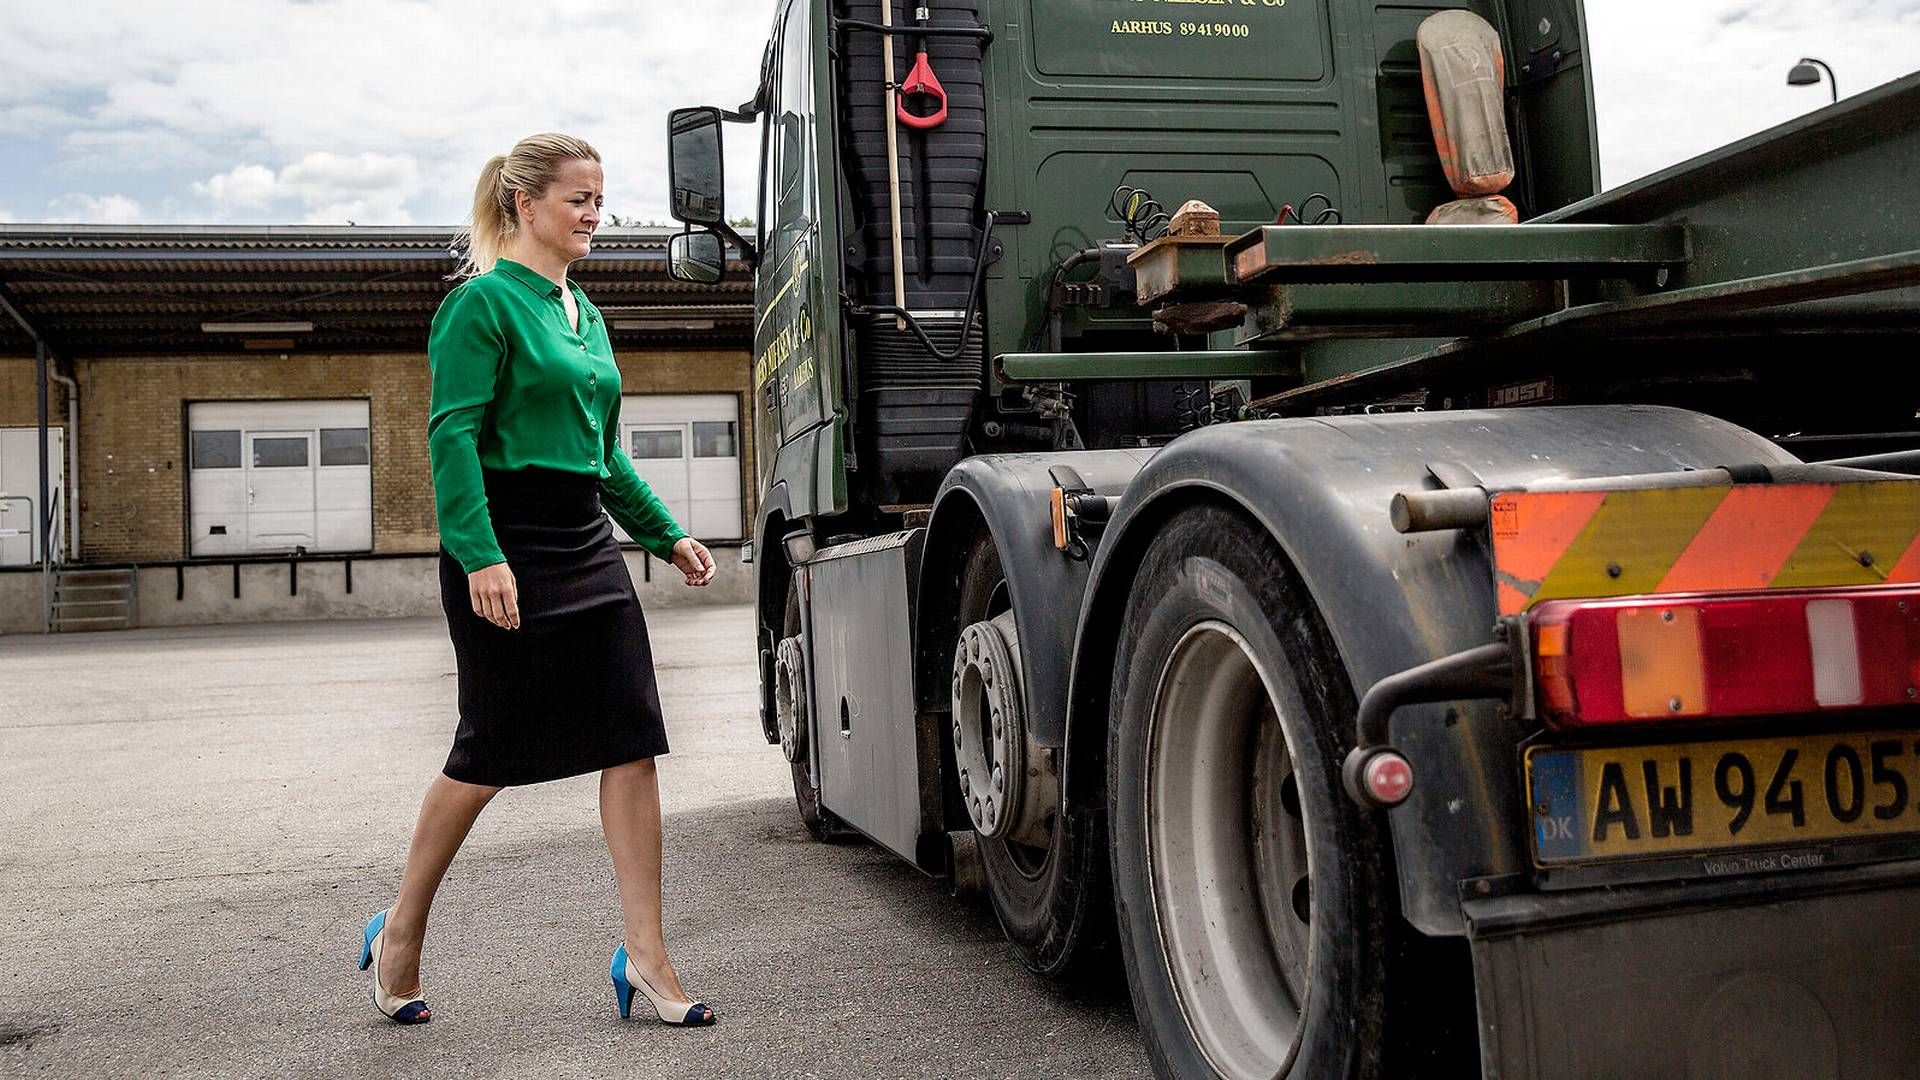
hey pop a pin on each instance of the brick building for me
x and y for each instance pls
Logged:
(236, 417)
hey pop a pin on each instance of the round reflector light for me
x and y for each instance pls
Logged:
(1389, 778)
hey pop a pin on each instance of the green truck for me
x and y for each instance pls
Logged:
(1233, 487)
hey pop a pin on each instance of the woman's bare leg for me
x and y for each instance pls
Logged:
(446, 815)
(630, 818)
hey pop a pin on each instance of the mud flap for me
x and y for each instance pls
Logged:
(1703, 980)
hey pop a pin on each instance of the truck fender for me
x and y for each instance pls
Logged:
(1008, 495)
(770, 576)
(1321, 487)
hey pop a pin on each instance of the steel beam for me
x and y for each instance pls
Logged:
(1591, 322)
(1195, 364)
(40, 508)
(1372, 253)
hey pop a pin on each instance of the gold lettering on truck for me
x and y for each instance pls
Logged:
(1185, 28)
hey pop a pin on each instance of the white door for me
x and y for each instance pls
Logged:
(715, 476)
(20, 484)
(659, 453)
(279, 475)
(280, 490)
(687, 448)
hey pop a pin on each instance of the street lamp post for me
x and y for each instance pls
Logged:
(1804, 73)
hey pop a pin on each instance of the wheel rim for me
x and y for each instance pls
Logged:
(1227, 854)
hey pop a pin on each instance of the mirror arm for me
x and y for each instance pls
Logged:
(747, 253)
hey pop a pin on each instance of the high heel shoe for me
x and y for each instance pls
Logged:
(402, 1010)
(627, 979)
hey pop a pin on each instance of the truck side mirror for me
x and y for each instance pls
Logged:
(697, 257)
(694, 166)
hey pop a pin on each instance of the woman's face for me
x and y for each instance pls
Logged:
(563, 219)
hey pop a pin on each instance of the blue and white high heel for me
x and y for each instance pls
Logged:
(401, 1010)
(626, 979)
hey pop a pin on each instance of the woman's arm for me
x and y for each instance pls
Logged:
(465, 349)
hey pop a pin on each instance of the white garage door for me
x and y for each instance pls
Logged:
(687, 448)
(271, 476)
(20, 490)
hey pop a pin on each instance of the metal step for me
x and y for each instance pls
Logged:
(70, 623)
(93, 598)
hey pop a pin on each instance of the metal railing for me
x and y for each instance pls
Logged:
(52, 526)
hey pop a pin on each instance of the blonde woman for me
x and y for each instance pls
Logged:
(555, 671)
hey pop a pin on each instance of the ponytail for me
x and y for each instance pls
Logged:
(493, 221)
(531, 167)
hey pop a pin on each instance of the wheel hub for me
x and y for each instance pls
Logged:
(1008, 784)
(790, 697)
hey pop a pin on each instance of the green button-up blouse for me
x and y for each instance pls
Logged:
(514, 385)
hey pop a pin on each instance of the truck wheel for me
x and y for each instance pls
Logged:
(819, 821)
(1248, 890)
(1051, 901)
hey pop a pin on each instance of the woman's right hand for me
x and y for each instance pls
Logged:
(494, 595)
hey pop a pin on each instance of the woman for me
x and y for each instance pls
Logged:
(556, 674)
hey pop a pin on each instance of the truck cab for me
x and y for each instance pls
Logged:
(1225, 472)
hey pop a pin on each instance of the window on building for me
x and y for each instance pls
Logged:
(272, 453)
(714, 439)
(344, 446)
(656, 444)
(216, 449)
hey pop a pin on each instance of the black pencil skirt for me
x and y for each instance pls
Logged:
(572, 690)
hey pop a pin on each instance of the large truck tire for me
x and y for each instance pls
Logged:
(1251, 895)
(1051, 902)
(820, 822)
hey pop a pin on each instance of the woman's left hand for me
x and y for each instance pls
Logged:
(694, 560)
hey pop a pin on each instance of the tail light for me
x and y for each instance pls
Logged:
(1639, 660)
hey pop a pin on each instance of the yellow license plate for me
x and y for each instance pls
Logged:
(1602, 804)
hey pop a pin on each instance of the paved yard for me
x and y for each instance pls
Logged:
(195, 823)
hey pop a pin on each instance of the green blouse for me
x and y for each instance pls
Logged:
(515, 386)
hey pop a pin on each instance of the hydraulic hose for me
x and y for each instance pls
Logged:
(973, 303)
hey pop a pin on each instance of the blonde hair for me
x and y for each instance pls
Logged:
(532, 167)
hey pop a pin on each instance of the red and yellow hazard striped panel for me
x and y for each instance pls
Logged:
(1554, 545)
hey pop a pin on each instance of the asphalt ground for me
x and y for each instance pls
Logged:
(196, 823)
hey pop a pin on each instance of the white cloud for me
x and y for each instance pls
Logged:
(1672, 81)
(32, 119)
(246, 185)
(172, 91)
(205, 87)
(367, 188)
(94, 210)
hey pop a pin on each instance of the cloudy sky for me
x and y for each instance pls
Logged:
(381, 111)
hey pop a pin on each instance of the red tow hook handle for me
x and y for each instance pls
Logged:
(921, 81)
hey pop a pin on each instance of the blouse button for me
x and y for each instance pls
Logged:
(593, 462)
(592, 423)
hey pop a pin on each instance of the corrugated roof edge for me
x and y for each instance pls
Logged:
(339, 237)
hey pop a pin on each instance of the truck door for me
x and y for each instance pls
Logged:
(786, 366)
